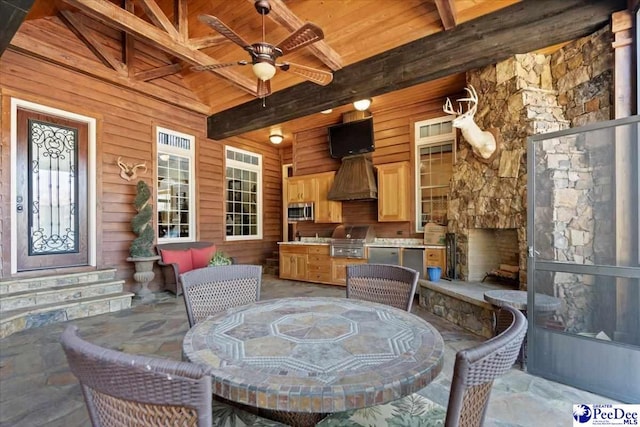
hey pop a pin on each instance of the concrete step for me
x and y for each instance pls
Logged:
(12, 321)
(34, 283)
(53, 294)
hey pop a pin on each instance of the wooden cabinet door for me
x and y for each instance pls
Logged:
(394, 200)
(293, 262)
(293, 266)
(435, 257)
(299, 267)
(326, 211)
(300, 189)
(339, 269)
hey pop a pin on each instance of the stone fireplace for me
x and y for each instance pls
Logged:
(493, 251)
(488, 198)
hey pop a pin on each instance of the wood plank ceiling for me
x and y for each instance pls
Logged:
(354, 31)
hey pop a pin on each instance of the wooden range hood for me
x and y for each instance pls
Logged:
(355, 180)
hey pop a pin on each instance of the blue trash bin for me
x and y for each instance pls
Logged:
(434, 273)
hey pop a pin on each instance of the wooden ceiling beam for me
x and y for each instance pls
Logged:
(519, 28)
(84, 34)
(181, 13)
(282, 15)
(39, 48)
(447, 12)
(207, 41)
(118, 18)
(158, 72)
(157, 16)
(129, 42)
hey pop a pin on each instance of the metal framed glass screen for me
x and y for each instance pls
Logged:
(583, 235)
(435, 154)
(244, 194)
(175, 189)
(53, 183)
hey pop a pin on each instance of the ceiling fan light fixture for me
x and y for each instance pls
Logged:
(362, 104)
(276, 138)
(264, 70)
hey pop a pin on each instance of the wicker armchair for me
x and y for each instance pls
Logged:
(132, 390)
(383, 283)
(474, 371)
(212, 289)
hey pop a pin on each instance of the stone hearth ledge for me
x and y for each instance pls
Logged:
(461, 303)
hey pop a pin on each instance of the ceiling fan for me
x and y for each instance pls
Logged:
(264, 55)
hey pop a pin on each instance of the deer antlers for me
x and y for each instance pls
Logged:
(128, 171)
(472, 99)
(482, 142)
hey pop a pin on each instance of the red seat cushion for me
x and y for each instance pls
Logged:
(200, 257)
(182, 258)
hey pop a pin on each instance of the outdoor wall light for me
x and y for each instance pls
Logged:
(276, 138)
(362, 104)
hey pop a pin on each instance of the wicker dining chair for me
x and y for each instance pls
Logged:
(474, 372)
(132, 390)
(212, 289)
(383, 283)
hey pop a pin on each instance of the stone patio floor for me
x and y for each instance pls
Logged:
(37, 389)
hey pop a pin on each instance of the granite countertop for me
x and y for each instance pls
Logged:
(378, 243)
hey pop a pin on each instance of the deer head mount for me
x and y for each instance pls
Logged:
(482, 142)
(128, 171)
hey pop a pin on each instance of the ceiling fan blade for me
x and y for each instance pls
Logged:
(220, 27)
(303, 36)
(216, 66)
(314, 75)
(264, 88)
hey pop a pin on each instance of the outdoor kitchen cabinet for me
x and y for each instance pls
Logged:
(293, 262)
(339, 269)
(318, 264)
(326, 211)
(394, 200)
(301, 189)
(315, 188)
(436, 257)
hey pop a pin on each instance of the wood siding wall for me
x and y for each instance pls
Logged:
(393, 133)
(125, 127)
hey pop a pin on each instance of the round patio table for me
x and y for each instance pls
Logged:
(312, 356)
(544, 305)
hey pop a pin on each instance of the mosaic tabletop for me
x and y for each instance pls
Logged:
(316, 354)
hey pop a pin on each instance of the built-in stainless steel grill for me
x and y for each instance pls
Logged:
(347, 241)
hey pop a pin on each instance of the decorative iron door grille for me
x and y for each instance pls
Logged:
(51, 202)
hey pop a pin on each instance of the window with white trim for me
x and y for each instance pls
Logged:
(435, 145)
(175, 192)
(244, 194)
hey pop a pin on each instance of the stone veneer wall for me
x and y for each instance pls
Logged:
(575, 177)
(522, 96)
(516, 98)
(582, 72)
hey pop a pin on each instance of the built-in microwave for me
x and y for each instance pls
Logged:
(300, 212)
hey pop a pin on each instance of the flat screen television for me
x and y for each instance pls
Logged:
(350, 138)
